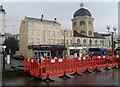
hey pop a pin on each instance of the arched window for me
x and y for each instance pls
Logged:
(74, 24)
(82, 23)
(90, 33)
(78, 41)
(90, 41)
(84, 42)
(96, 42)
(101, 42)
(82, 32)
(89, 23)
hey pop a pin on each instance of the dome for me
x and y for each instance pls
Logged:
(82, 12)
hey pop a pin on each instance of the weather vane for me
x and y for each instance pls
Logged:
(81, 5)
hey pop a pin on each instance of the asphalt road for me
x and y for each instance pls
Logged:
(100, 78)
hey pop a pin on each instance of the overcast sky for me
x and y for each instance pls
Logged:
(104, 13)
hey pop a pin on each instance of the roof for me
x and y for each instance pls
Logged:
(1, 8)
(82, 12)
(97, 35)
(76, 34)
(38, 19)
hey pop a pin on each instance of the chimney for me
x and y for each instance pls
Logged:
(1, 8)
(41, 17)
(55, 19)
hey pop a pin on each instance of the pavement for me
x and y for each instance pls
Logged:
(15, 64)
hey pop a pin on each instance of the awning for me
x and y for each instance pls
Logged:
(47, 47)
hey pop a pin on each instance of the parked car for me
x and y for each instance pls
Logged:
(18, 57)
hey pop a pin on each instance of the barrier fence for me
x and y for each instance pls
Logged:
(63, 66)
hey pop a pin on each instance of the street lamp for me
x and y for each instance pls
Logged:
(112, 39)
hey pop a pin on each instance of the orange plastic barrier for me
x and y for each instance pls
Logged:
(26, 63)
(101, 61)
(54, 67)
(32, 66)
(37, 68)
(114, 60)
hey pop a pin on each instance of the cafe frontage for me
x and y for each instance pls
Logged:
(46, 51)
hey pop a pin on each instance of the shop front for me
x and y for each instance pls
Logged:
(77, 51)
(47, 51)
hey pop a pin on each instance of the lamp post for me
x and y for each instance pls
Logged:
(112, 37)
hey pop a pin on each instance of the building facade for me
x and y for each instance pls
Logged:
(2, 24)
(38, 35)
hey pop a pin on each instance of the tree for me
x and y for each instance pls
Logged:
(11, 44)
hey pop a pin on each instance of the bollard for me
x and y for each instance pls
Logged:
(8, 59)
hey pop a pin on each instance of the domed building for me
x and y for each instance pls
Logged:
(84, 36)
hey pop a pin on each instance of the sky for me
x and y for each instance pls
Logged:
(104, 13)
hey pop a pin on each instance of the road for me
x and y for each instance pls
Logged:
(99, 78)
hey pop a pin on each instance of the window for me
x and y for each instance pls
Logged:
(62, 41)
(78, 41)
(96, 42)
(101, 41)
(82, 32)
(82, 23)
(53, 33)
(53, 42)
(70, 34)
(71, 42)
(31, 32)
(67, 42)
(74, 24)
(58, 41)
(90, 33)
(37, 41)
(84, 42)
(37, 32)
(66, 33)
(48, 33)
(90, 41)
(89, 23)
(48, 41)
(62, 33)
(58, 33)
(31, 41)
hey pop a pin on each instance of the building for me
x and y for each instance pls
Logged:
(83, 32)
(38, 35)
(2, 24)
